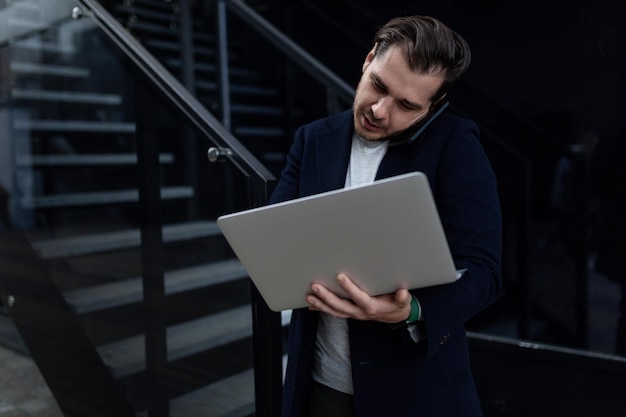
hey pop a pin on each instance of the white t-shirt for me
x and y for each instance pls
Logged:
(332, 349)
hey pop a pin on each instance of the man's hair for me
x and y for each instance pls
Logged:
(428, 45)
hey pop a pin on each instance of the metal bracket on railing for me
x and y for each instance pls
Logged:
(215, 153)
(77, 13)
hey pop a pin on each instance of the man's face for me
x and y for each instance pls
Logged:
(390, 96)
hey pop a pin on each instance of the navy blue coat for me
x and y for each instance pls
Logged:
(393, 376)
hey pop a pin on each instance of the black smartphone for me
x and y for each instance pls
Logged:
(410, 134)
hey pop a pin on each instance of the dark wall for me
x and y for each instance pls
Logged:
(559, 63)
(517, 379)
(556, 60)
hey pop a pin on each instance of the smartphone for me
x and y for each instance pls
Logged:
(410, 134)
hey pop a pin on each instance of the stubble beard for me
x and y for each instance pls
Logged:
(362, 131)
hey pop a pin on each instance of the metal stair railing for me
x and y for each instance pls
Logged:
(226, 145)
(337, 90)
(175, 92)
(28, 299)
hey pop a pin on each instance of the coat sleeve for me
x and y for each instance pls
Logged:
(466, 195)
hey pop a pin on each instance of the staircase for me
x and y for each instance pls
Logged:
(74, 190)
(258, 114)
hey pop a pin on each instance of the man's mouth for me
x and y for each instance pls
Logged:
(369, 125)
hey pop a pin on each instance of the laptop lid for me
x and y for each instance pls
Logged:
(385, 235)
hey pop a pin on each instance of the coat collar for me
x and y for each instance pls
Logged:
(333, 154)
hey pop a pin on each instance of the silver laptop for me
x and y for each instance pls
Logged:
(385, 235)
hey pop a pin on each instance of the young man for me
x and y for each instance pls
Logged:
(401, 354)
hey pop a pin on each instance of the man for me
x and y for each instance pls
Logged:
(401, 354)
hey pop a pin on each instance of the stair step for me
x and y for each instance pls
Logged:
(173, 46)
(154, 4)
(249, 89)
(161, 45)
(171, 32)
(114, 159)
(260, 110)
(24, 6)
(36, 45)
(67, 97)
(239, 89)
(274, 156)
(75, 126)
(230, 397)
(21, 24)
(127, 356)
(153, 29)
(123, 239)
(163, 15)
(54, 70)
(206, 67)
(98, 198)
(128, 291)
(259, 131)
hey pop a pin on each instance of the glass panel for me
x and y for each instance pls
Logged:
(86, 147)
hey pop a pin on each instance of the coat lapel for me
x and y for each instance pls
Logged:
(333, 154)
(397, 160)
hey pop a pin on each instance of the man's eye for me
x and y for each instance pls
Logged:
(408, 107)
(378, 86)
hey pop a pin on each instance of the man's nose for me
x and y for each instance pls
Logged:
(381, 108)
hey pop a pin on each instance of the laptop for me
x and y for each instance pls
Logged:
(385, 235)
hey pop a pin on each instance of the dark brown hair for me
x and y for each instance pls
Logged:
(428, 46)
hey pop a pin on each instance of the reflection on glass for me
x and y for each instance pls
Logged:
(85, 149)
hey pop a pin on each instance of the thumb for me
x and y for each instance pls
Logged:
(403, 296)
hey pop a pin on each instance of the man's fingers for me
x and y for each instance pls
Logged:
(325, 300)
(356, 294)
(360, 305)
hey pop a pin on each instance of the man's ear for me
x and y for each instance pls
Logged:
(369, 58)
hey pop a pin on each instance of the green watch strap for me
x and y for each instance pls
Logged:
(415, 310)
(413, 315)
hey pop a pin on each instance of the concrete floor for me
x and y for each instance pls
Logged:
(23, 391)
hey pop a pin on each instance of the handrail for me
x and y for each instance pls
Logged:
(294, 52)
(177, 94)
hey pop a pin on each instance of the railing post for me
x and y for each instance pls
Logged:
(267, 340)
(267, 337)
(223, 77)
(152, 250)
(187, 46)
